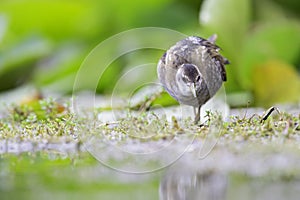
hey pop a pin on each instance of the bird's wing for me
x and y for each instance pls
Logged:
(213, 51)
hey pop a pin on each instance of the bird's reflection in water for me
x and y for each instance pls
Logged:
(181, 183)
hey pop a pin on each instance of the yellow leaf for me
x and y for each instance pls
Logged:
(275, 82)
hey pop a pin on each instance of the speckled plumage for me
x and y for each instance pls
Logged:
(199, 52)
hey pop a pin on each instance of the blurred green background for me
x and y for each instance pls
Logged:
(44, 42)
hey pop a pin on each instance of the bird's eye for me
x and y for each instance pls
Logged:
(198, 78)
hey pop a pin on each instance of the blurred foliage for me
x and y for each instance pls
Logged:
(281, 83)
(45, 42)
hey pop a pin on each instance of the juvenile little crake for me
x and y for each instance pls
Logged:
(192, 71)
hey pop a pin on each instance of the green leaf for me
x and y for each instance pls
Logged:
(269, 11)
(54, 18)
(17, 62)
(3, 27)
(229, 19)
(165, 100)
(280, 41)
(64, 61)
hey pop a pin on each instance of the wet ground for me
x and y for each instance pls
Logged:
(165, 158)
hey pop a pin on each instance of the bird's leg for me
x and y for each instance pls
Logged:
(197, 114)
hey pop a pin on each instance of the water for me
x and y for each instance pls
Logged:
(66, 170)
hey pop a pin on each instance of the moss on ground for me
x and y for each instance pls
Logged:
(48, 120)
(38, 120)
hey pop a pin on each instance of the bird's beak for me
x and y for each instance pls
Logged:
(193, 90)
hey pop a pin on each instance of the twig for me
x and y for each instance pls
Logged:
(269, 112)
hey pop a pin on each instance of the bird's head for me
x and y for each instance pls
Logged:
(189, 79)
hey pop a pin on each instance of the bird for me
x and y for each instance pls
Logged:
(192, 71)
